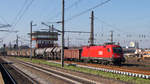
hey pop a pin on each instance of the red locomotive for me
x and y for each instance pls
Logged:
(103, 54)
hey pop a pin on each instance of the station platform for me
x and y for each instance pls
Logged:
(1, 79)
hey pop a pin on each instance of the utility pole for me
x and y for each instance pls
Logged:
(17, 42)
(68, 41)
(92, 29)
(49, 28)
(10, 46)
(31, 39)
(4, 48)
(111, 36)
(17, 45)
(62, 46)
(52, 27)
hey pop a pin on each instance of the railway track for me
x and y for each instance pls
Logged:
(62, 75)
(12, 75)
(8, 79)
(72, 79)
(113, 69)
(33, 81)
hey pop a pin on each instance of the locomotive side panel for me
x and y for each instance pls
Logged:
(96, 52)
(111, 53)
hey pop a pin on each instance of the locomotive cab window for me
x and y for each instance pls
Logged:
(117, 49)
(108, 49)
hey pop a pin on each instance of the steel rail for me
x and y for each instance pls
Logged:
(65, 76)
(25, 75)
(18, 71)
(8, 79)
(128, 72)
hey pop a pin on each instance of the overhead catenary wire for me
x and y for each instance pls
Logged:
(87, 10)
(73, 4)
(6, 25)
(24, 11)
(110, 25)
(67, 8)
(127, 34)
(3, 20)
(20, 12)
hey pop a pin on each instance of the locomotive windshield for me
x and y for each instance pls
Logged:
(117, 49)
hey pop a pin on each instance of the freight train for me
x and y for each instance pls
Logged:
(108, 53)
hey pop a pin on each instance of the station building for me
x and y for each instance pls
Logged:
(45, 39)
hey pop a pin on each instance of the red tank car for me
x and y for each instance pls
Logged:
(109, 53)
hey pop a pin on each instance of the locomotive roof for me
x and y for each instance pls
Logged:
(110, 45)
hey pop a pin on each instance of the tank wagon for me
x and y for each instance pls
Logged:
(47, 53)
(102, 54)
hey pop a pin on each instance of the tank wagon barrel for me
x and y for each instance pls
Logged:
(40, 53)
(49, 53)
